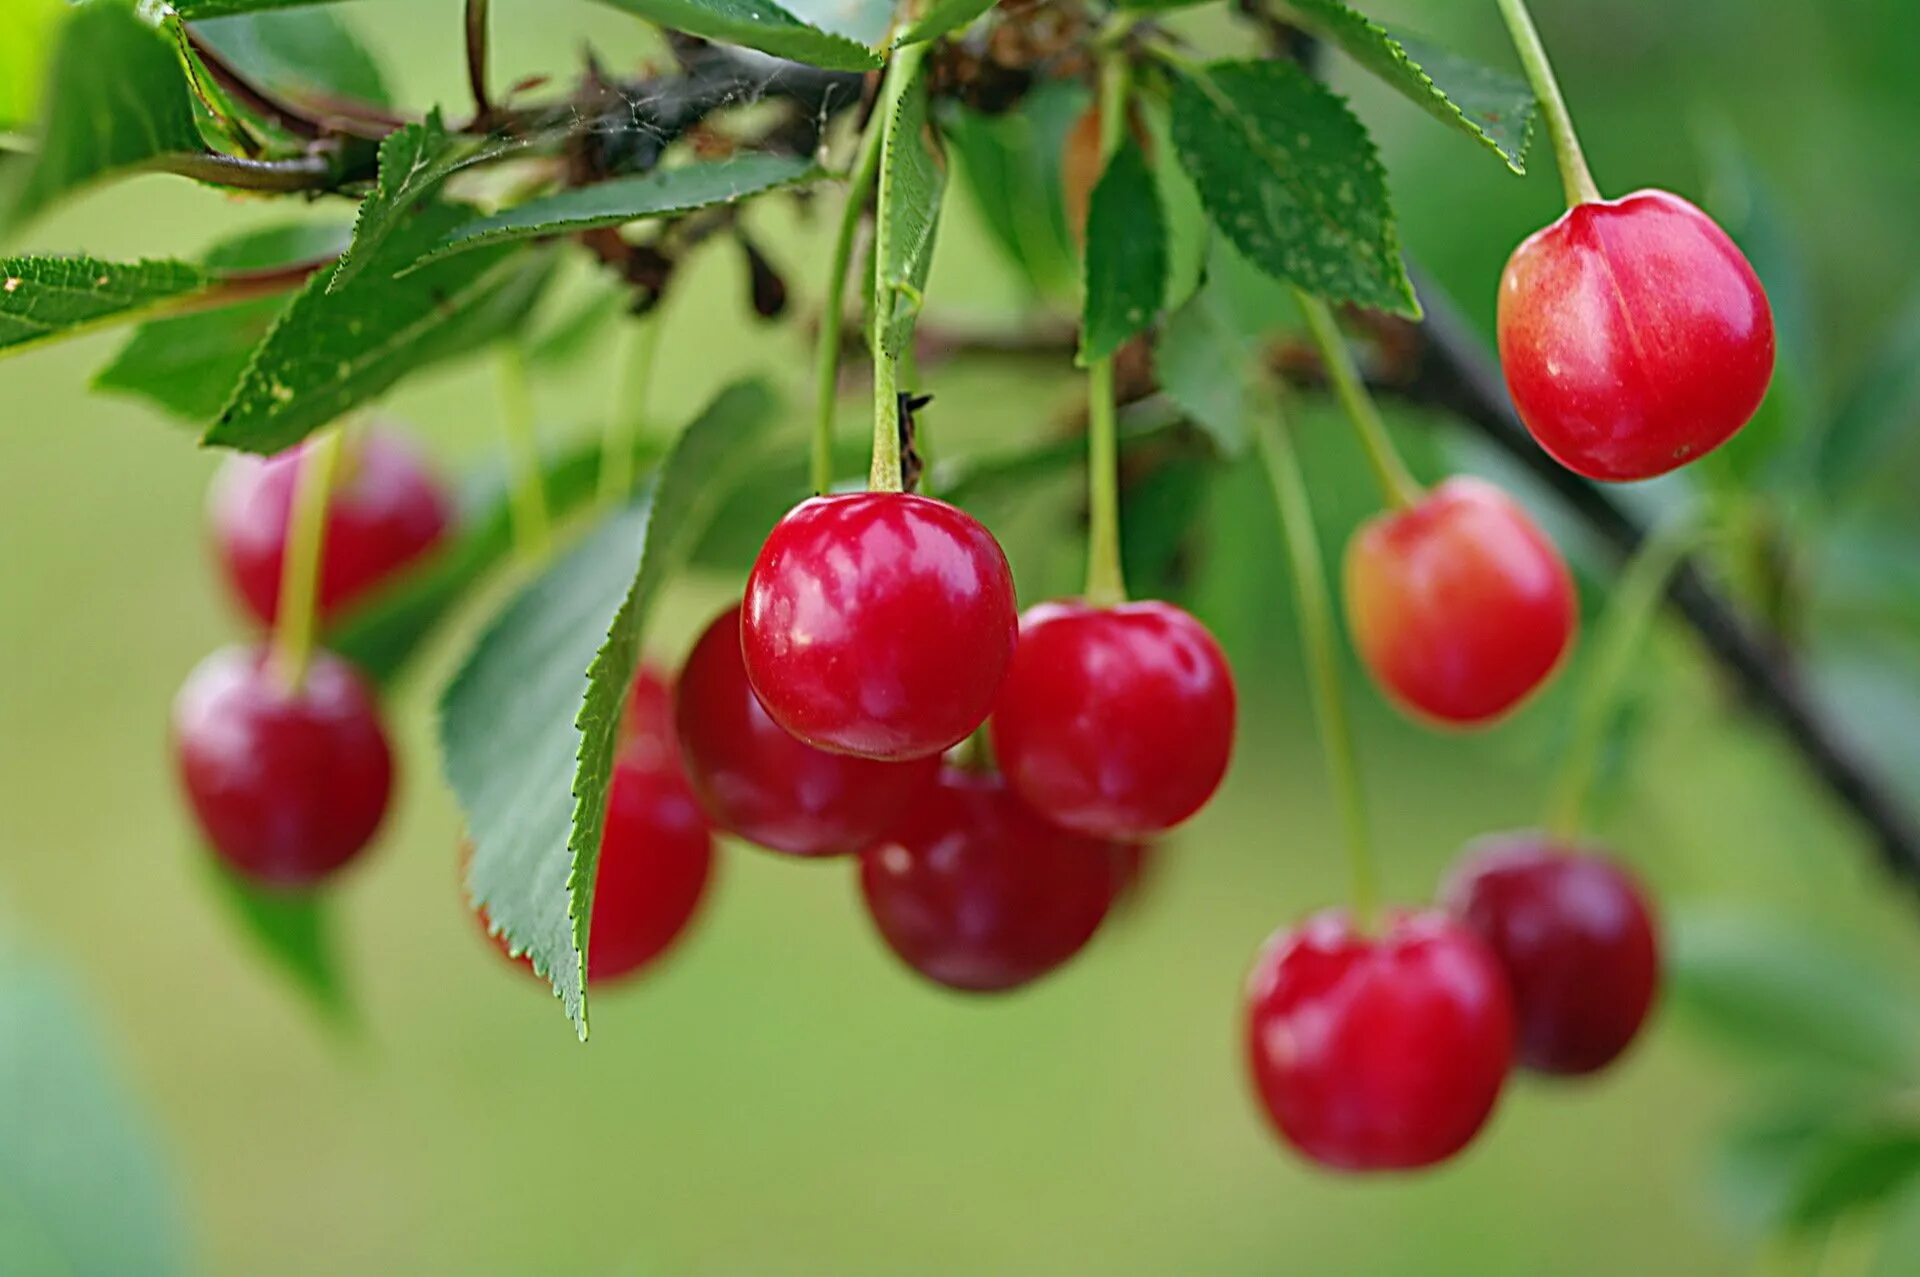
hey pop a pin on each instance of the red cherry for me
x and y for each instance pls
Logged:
(287, 786)
(649, 711)
(975, 891)
(1114, 721)
(767, 786)
(1379, 1054)
(878, 624)
(1634, 335)
(386, 511)
(1459, 604)
(1576, 937)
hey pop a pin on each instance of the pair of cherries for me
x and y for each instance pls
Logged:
(1388, 1052)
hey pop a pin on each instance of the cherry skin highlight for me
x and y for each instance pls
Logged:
(976, 892)
(1634, 335)
(1114, 721)
(769, 787)
(386, 511)
(1459, 604)
(878, 624)
(1575, 934)
(1378, 1054)
(287, 786)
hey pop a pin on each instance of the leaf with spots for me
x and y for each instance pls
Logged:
(44, 299)
(1126, 255)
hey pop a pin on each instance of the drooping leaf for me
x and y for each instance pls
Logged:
(527, 725)
(758, 24)
(415, 162)
(333, 350)
(912, 180)
(629, 199)
(1126, 254)
(1291, 177)
(941, 17)
(1011, 163)
(47, 298)
(300, 54)
(295, 932)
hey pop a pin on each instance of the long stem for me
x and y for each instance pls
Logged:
(833, 308)
(627, 415)
(1397, 483)
(297, 616)
(1323, 659)
(1106, 578)
(532, 527)
(476, 30)
(884, 476)
(1575, 176)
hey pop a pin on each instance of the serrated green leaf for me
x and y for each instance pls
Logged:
(1011, 166)
(1291, 177)
(527, 725)
(912, 181)
(294, 929)
(1126, 255)
(941, 17)
(333, 350)
(630, 199)
(47, 298)
(300, 54)
(758, 24)
(415, 162)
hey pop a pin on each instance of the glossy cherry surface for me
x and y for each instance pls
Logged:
(1114, 721)
(878, 624)
(1634, 335)
(287, 786)
(975, 891)
(387, 510)
(649, 711)
(1576, 936)
(1378, 1053)
(1459, 604)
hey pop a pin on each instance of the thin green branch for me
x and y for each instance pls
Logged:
(1397, 483)
(532, 525)
(296, 618)
(627, 415)
(1106, 575)
(1575, 176)
(884, 475)
(832, 308)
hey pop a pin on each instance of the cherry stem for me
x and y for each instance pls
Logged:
(1636, 600)
(1106, 577)
(884, 476)
(1575, 176)
(1314, 601)
(476, 33)
(627, 416)
(532, 526)
(832, 310)
(1397, 483)
(298, 614)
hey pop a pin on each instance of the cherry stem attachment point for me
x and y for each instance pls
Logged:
(1397, 483)
(884, 475)
(532, 525)
(627, 415)
(1106, 577)
(297, 617)
(1575, 176)
(833, 307)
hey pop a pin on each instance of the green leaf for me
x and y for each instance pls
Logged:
(527, 725)
(1011, 166)
(331, 351)
(1207, 357)
(299, 54)
(24, 55)
(1493, 107)
(1291, 177)
(294, 929)
(415, 162)
(1126, 255)
(118, 101)
(1188, 232)
(758, 24)
(629, 199)
(1855, 1170)
(912, 181)
(1877, 413)
(44, 299)
(941, 17)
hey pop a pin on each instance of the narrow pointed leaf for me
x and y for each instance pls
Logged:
(940, 18)
(912, 180)
(758, 24)
(1126, 255)
(295, 932)
(415, 162)
(47, 298)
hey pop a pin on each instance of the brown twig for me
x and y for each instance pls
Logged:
(483, 113)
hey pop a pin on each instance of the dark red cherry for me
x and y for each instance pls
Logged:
(975, 891)
(1634, 335)
(1459, 604)
(1114, 721)
(1376, 1054)
(387, 511)
(767, 786)
(1576, 937)
(288, 786)
(878, 624)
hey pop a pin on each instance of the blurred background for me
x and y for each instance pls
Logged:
(781, 1097)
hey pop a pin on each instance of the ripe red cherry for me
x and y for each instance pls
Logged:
(770, 787)
(1634, 336)
(975, 891)
(878, 624)
(1459, 604)
(1375, 1054)
(386, 511)
(649, 711)
(1114, 721)
(287, 786)
(1576, 937)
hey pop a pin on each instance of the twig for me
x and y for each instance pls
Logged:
(477, 66)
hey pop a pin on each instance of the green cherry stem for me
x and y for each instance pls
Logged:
(833, 308)
(532, 526)
(884, 476)
(1106, 578)
(627, 414)
(297, 617)
(1397, 483)
(1575, 176)
(1314, 601)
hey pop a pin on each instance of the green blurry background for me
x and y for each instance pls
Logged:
(782, 1098)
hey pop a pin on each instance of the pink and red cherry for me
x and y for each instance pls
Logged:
(878, 624)
(976, 892)
(1379, 1053)
(1459, 605)
(768, 786)
(387, 510)
(287, 785)
(1634, 335)
(1115, 721)
(1575, 935)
